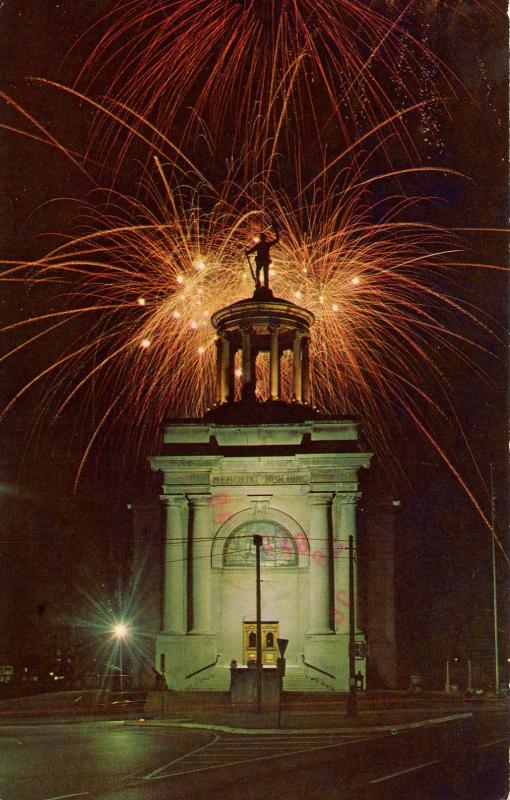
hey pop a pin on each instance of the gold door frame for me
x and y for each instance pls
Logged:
(269, 642)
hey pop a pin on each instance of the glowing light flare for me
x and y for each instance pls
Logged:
(121, 630)
(145, 344)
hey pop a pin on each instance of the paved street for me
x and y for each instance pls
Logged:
(50, 760)
(130, 761)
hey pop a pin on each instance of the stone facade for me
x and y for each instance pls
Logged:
(300, 479)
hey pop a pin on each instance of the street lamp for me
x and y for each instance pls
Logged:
(257, 541)
(120, 632)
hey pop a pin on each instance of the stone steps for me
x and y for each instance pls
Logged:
(299, 682)
(294, 681)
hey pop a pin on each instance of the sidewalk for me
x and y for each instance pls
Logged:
(311, 717)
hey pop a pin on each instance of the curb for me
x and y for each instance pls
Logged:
(303, 731)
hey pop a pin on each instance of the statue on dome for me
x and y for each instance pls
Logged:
(262, 249)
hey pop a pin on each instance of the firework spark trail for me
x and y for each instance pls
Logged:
(152, 273)
(231, 62)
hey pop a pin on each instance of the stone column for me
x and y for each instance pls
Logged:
(217, 388)
(201, 533)
(319, 562)
(232, 374)
(247, 379)
(225, 368)
(306, 369)
(174, 591)
(348, 528)
(274, 360)
(296, 369)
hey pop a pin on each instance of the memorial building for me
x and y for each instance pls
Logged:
(264, 461)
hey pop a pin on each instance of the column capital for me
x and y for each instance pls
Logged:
(198, 499)
(273, 327)
(347, 498)
(172, 500)
(320, 498)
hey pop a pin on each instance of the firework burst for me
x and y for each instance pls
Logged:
(137, 286)
(334, 69)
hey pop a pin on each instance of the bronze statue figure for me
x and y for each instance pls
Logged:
(263, 256)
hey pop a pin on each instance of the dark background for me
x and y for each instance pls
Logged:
(65, 557)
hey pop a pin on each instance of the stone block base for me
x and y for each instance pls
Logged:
(243, 686)
(184, 656)
(327, 660)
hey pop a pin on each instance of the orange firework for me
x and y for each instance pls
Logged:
(145, 277)
(334, 68)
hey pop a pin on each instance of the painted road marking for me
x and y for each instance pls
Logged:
(229, 751)
(495, 741)
(62, 796)
(151, 775)
(405, 771)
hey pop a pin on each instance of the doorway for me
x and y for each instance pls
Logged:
(269, 642)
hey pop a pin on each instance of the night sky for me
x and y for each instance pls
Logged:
(443, 548)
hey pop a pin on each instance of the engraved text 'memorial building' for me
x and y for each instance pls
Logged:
(261, 461)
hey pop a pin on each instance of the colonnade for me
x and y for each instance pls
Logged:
(225, 365)
(332, 521)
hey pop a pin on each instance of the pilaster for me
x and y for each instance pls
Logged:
(174, 593)
(201, 535)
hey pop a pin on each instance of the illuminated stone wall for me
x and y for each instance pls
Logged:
(298, 480)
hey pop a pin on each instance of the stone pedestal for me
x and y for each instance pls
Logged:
(184, 658)
(326, 659)
(243, 686)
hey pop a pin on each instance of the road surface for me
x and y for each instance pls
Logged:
(102, 760)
